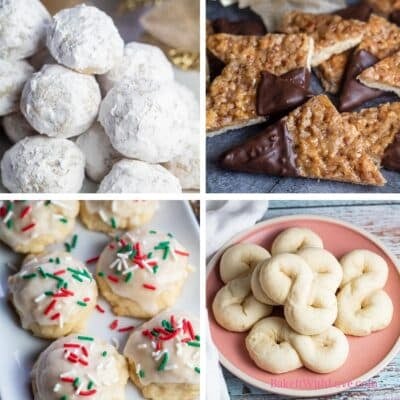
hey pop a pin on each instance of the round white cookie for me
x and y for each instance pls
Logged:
(142, 272)
(23, 28)
(40, 164)
(140, 61)
(16, 127)
(53, 294)
(143, 120)
(79, 367)
(29, 226)
(132, 176)
(59, 102)
(164, 357)
(85, 39)
(99, 161)
(13, 75)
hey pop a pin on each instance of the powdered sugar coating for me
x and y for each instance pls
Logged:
(132, 176)
(13, 75)
(140, 61)
(100, 155)
(40, 164)
(85, 39)
(60, 102)
(16, 127)
(23, 28)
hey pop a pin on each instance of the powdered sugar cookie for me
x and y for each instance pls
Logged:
(16, 127)
(53, 294)
(79, 367)
(164, 357)
(132, 176)
(85, 39)
(140, 61)
(23, 28)
(109, 215)
(142, 272)
(13, 75)
(43, 165)
(59, 102)
(29, 226)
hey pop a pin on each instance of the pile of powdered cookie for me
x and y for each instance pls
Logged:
(140, 273)
(74, 98)
(316, 299)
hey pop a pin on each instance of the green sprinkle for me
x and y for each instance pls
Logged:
(155, 269)
(57, 278)
(60, 284)
(163, 362)
(51, 260)
(152, 232)
(63, 220)
(76, 382)
(29, 276)
(90, 385)
(74, 271)
(128, 277)
(77, 278)
(170, 235)
(125, 249)
(67, 247)
(150, 255)
(193, 344)
(64, 397)
(58, 260)
(166, 253)
(154, 333)
(81, 303)
(141, 374)
(197, 337)
(101, 274)
(10, 223)
(65, 285)
(104, 353)
(197, 369)
(89, 338)
(165, 324)
(10, 206)
(74, 241)
(113, 223)
(48, 293)
(42, 273)
(47, 202)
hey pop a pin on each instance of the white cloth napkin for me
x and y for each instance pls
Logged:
(224, 220)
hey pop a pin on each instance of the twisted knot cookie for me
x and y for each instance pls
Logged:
(277, 348)
(363, 306)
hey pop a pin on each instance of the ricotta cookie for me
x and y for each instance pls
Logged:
(16, 127)
(132, 176)
(13, 75)
(53, 294)
(29, 226)
(23, 28)
(164, 357)
(40, 164)
(142, 272)
(79, 366)
(109, 215)
(59, 102)
(140, 61)
(85, 39)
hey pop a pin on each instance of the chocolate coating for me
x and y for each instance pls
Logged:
(361, 12)
(243, 27)
(271, 152)
(391, 157)
(354, 93)
(395, 17)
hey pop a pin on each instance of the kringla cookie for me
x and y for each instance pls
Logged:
(16, 127)
(164, 357)
(142, 272)
(53, 294)
(109, 215)
(79, 367)
(29, 226)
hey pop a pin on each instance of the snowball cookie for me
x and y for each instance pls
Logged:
(132, 176)
(29, 226)
(59, 102)
(53, 294)
(23, 28)
(100, 155)
(142, 272)
(109, 215)
(164, 357)
(40, 164)
(143, 120)
(140, 61)
(13, 75)
(79, 367)
(85, 39)
(16, 127)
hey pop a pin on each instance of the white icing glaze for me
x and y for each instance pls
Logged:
(59, 102)
(182, 357)
(43, 165)
(67, 288)
(104, 371)
(85, 39)
(23, 28)
(142, 119)
(13, 75)
(133, 274)
(132, 176)
(140, 61)
(132, 209)
(46, 217)
(16, 127)
(100, 160)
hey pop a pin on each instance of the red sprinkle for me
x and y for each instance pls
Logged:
(72, 346)
(138, 249)
(185, 340)
(84, 351)
(86, 299)
(111, 246)
(83, 362)
(147, 333)
(100, 308)
(113, 278)
(50, 307)
(25, 211)
(123, 243)
(150, 287)
(92, 260)
(173, 321)
(126, 329)
(169, 336)
(87, 392)
(59, 272)
(72, 360)
(3, 212)
(190, 329)
(182, 253)
(114, 324)
(28, 227)
(158, 346)
(55, 316)
(67, 379)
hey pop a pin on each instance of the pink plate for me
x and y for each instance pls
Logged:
(368, 355)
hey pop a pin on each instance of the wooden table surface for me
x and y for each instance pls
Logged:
(381, 219)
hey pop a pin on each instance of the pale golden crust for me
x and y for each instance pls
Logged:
(328, 147)
(331, 71)
(231, 98)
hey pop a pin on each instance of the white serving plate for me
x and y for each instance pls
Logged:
(19, 348)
